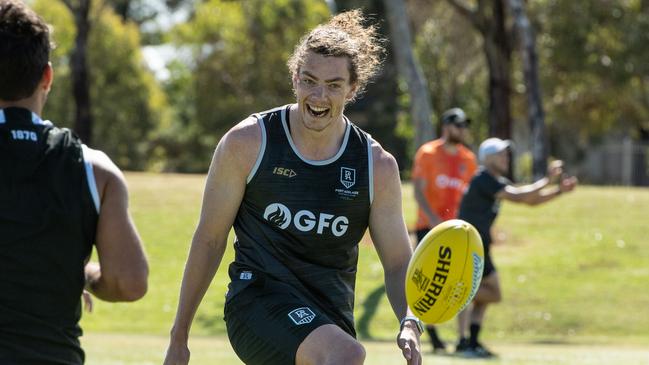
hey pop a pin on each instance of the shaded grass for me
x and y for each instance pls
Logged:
(575, 269)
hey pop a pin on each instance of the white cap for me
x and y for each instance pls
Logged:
(491, 146)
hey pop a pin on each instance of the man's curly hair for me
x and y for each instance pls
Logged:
(345, 35)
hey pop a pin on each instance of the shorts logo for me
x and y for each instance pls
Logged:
(302, 315)
(347, 177)
(278, 214)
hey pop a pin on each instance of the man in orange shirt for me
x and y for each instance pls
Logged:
(441, 173)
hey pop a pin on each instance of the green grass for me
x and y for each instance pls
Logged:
(111, 349)
(575, 270)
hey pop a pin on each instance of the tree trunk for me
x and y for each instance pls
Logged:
(498, 51)
(532, 88)
(80, 72)
(490, 19)
(409, 69)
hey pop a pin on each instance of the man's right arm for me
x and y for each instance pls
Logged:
(537, 193)
(419, 185)
(233, 159)
(122, 271)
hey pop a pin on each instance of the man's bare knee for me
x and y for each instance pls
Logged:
(329, 345)
(353, 354)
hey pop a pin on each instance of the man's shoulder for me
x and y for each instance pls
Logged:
(272, 113)
(431, 147)
(384, 163)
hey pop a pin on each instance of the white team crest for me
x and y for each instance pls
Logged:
(302, 315)
(347, 177)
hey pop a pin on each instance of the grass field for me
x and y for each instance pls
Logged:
(115, 349)
(575, 271)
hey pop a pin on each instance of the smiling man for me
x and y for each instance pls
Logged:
(300, 184)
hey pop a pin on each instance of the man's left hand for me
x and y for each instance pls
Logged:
(87, 300)
(408, 341)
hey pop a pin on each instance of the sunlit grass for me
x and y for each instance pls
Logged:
(573, 270)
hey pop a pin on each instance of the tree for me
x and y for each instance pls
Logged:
(457, 75)
(83, 124)
(489, 19)
(237, 66)
(536, 115)
(409, 69)
(128, 105)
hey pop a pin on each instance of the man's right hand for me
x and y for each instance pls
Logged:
(177, 354)
(568, 184)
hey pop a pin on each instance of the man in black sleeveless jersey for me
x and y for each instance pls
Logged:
(300, 184)
(57, 199)
(480, 206)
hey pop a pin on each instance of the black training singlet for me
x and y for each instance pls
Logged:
(48, 219)
(300, 221)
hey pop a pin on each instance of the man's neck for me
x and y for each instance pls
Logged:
(317, 145)
(449, 147)
(27, 103)
(493, 171)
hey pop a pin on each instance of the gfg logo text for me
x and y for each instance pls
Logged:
(305, 220)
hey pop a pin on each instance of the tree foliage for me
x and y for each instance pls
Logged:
(128, 104)
(238, 67)
(231, 62)
(595, 65)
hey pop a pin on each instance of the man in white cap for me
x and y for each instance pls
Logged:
(479, 207)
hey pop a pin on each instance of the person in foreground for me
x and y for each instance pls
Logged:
(440, 175)
(57, 199)
(300, 184)
(479, 207)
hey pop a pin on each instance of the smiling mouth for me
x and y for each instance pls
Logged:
(316, 111)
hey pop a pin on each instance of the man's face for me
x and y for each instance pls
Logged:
(499, 162)
(322, 88)
(457, 133)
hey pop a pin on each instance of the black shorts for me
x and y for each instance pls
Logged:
(488, 263)
(421, 233)
(266, 322)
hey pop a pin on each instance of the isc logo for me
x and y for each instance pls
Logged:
(284, 171)
(305, 220)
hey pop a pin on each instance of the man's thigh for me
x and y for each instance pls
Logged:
(329, 344)
(266, 327)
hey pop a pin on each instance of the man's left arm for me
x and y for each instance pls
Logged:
(390, 237)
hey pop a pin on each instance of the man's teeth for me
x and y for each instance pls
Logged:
(318, 109)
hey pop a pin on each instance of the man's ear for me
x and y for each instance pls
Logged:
(352, 92)
(47, 78)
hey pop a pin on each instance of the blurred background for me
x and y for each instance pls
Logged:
(156, 83)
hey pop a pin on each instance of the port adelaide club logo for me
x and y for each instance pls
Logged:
(348, 180)
(302, 315)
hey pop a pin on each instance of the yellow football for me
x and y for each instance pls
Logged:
(444, 272)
